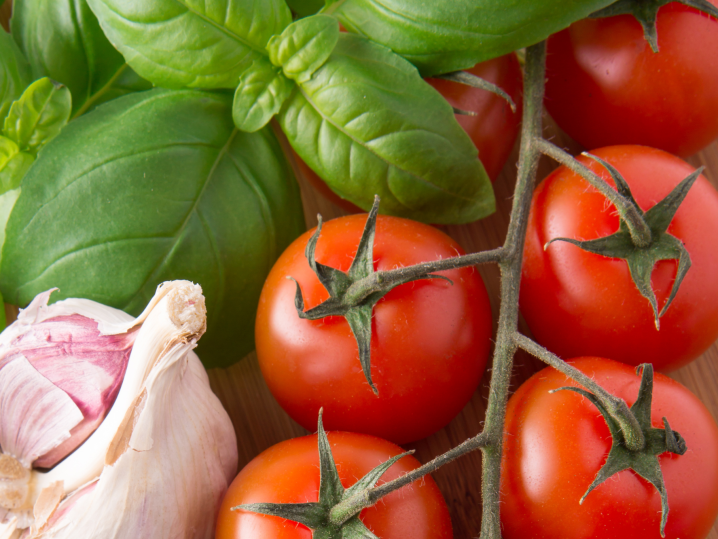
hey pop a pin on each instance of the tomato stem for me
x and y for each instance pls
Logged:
(343, 511)
(633, 437)
(637, 226)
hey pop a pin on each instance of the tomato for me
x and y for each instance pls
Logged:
(493, 130)
(579, 303)
(606, 86)
(556, 443)
(430, 339)
(289, 473)
(495, 127)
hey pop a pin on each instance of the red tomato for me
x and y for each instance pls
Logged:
(556, 443)
(430, 339)
(493, 130)
(578, 303)
(606, 86)
(495, 127)
(289, 473)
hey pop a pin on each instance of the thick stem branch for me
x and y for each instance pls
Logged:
(633, 435)
(343, 511)
(384, 279)
(640, 232)
(529, 156)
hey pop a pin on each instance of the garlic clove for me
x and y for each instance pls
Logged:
(161, 460)
(60, 343)
(36, 415)
(161, 486)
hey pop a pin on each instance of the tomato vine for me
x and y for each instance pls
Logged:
(637, 441)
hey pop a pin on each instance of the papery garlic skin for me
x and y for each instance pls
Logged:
(65, 351)
(160, 462)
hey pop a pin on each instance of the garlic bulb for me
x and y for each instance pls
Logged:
(120, 411)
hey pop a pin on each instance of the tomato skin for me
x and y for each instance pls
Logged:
(495, 127)
(430, 339)
(578, 303)
(605, 85)
(556, 443)
(289, 473)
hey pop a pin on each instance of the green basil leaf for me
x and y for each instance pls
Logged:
(439, 37)
(368, 124)
(259, 96)
(63, 40)
(155, 186)
(14, 73)
(7, 202)
(192, 43)
(304, 8)
(304, 46)
(13, 164)
(39, 115)
(126, 82)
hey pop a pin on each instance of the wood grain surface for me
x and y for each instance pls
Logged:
(260, 422)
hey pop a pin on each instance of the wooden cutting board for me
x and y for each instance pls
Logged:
(260, 422)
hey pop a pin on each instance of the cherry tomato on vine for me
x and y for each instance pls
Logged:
(430, 338)
(289, 473)
(606, 86)
(555, 443)
(495, 127)
(579, 303)
(493, 130)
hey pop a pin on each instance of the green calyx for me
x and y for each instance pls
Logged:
(644, 461)
(646, 11)
(353, 294)
(322, 516)
(662, 246)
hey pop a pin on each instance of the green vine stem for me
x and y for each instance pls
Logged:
(640, 232)
(529, 155)
(616, 407)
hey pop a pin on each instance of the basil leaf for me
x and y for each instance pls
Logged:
(126, 82)
(304, 46)
(259, 96)
(439, 37)
(155, 186)
(39, 115)
(63, 40)
(14, 73)
(7, 202)
(192, 43)
(303, 8)
(13, 164)
(368, 124)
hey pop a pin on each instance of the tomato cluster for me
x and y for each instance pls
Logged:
(431, 338)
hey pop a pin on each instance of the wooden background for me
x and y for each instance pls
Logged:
(260, 422)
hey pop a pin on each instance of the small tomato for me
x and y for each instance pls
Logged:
(606, 86)
(578, 303)
(555, 444)
(430, 338)
(289, 473)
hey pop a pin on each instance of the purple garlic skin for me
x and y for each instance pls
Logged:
(71, 353)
